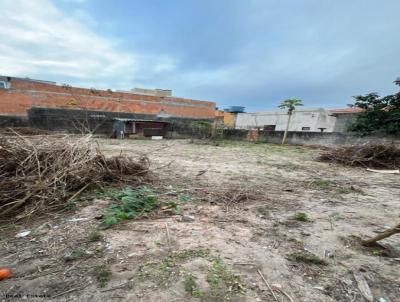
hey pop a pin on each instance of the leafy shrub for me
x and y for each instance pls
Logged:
(128, 204)
(132, 203)
(380, 115)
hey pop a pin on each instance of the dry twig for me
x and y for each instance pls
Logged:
(269, 287)
(67, 292)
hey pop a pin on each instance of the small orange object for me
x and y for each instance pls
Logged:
(5, 273)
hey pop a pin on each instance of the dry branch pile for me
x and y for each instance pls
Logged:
(385, 156)
(40, 174)
(231, 198)
(23, 131)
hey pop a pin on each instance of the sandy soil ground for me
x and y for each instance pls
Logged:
(256, 223)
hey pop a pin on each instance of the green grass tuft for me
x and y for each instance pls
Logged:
(322, 184)
(300, 216)
(223, 283)
(264, 211)
(306, 257)
(103, 275)
(76, 254)
(191, 286)
(94, 236)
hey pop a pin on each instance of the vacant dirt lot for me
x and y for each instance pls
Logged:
(253, 222)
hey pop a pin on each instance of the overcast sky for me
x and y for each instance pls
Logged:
(253, 53)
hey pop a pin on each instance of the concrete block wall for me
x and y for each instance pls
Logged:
(332, 139)
(102, 122)
(25, 94)
(13, 121)
(327, 139)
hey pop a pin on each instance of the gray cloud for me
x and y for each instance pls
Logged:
(252, 53)
(47, 43)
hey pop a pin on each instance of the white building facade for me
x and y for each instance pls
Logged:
(313, 120)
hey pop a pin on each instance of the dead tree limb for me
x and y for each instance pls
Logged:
(382, 235)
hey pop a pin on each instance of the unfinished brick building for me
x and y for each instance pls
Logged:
(47, 105)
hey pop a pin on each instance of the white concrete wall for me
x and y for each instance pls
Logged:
(313, 118)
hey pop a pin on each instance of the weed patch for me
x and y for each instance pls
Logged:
(167, 270)
(132, 203)
(191, 286)
(350, 190)
(76, 254)
(103, 275)
(94, 236)
(321, 184)
(184, 197)
(300, 216)
(306, 257)
(269, 149)
(288, 166)
(223, 284)
(328, 185)
(264, 212)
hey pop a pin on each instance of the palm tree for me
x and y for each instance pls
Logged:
(290, 105)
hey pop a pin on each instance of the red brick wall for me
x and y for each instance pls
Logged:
(26, 94)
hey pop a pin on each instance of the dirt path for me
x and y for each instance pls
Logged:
(238, 203)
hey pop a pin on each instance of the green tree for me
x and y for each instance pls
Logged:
(290, 105)
(381, 114)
